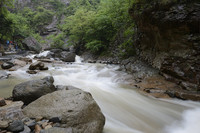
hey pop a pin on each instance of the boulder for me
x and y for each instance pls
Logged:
(32, 90)
(76, 108)
(67, 56)
(7, 65)
(11, 111)
(38, 66)
(31, 43)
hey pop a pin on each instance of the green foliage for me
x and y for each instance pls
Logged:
(95, 46)
(19, 25)
(95, 23)
(58, 40)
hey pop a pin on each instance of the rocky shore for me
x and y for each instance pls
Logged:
(63, 109)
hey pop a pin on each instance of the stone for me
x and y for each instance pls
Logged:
(37, 128)
(16, 126)
(38, 66)
(31, 43)
(48, 126)
(39, 118)
(31, 124)
(3, 124)
(2, 102)
(4, 75)
(55, 119)
(26, 130)
(67, 56)
(77, 109)
(32, 71)
(20, 63)
(7, 65)
(11, 111)
(32, 90)
(58, 130)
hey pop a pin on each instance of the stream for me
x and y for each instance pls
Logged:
(126, 110)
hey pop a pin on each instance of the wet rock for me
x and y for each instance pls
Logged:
(7, 65)
(38, 66)
(92, 61)
(11, 111)
(4, 75)
(67, 56)
(32, 90)
(16, 126)
(45, 60)
(2, 102)
(26, 130)
(32, 71)
(3, 124)
(185, 95)
(31, 43)
(77, 109)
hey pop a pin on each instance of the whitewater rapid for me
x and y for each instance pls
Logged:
(126, 110)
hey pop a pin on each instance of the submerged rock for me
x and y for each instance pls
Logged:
(76, 108)
(32, 90)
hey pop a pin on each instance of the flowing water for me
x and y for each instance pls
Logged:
(126, 110)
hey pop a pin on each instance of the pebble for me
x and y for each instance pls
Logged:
(26, 130)
(3, 124)
(2, 102)
(48, 126)
(39, 118)
(37, 128)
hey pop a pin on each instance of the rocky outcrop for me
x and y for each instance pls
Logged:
(32, 90)
(168, 38)
(76, 108)
(31, 43)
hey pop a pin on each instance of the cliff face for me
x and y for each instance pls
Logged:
(168, 38)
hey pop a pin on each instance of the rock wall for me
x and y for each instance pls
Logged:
(168, 38)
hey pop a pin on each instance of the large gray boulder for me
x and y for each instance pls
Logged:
(67, 56)
(76, 108)
(31, 43)
(32, 90)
